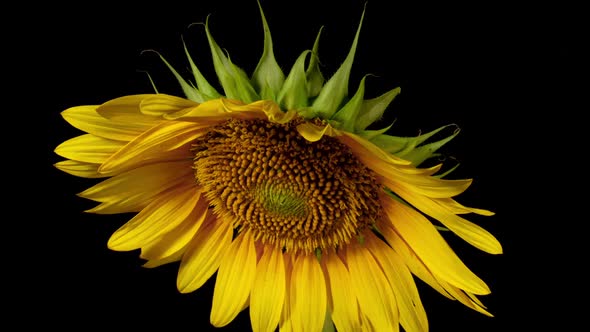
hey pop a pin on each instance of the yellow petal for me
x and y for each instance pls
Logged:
(78, 168)
(465, 298)
(412, 315)
(308, 300)
(234, 280)
(314, 133)
(430, 247)
(468, 231)
(168, 259)
(343, 304)
(131, 191)
(164, 142)
(177, 239)
(396, 170)
(161, 104)
(203, 255)
(166, 212)
(88, 149)
(364, 147)
(410, 259)
(87, 119)
(126, 108)
(286, 321)
(375, 296)
(456, 208)
(424, 185)
(268, 292)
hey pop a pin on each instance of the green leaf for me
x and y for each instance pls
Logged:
(233, 79)
(374, 108)
(336, 89)
(315, 79)
(293, 95)
(268, 78)
(189, 91)
(403, 145)
(370, 134)
(203, 85)
(424, 152)
(348, 113)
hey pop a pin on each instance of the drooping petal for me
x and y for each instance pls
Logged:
(178, 238)
(314, 133)
(286, 320)
(175, 257)
(131, 191)
(163, 214)
(268, 292)
(160, 143)
(203, 255)
(81, 169)
(234, 280)
(308, 299)
(88, 148)
(87, 119)
(430, 246)
(410, 259)
(343, 304)
(465, 298)
(456, 208)
(161, 104)
(394, 171)
(375, 296)
(127, 109)
(470, 232)
(218, 110)
(364, 150)
(412, 315)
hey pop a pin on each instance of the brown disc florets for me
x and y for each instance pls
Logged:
(301, 195)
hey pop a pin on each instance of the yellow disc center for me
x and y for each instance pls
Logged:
(301, 195)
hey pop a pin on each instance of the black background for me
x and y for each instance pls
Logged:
(497, 70)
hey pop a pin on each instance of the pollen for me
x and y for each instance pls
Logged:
(300, 195)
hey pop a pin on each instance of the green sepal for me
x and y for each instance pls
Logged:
(151, 81)
(442, 175)
(318, 254)
(293, 95)
(403, 145)
(336, 89)
(268, 78)
(374, 108)
(328, 324)
(233, 79)
(189, 91)
(206, 89)
(315, 79)
(370, 134)
(424, 152)
(348, 114)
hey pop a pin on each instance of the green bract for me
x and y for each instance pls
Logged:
(306, 91)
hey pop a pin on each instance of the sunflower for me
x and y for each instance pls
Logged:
(278, 188)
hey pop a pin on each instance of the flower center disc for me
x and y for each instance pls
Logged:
(288, 191)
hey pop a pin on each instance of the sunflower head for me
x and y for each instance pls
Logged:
(278, 187)
(304, 90)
